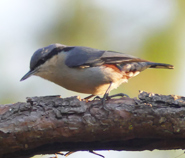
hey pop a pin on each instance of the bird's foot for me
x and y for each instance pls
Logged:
(101, 99)
(86, 99)
(97, 98)
(91, 151)
(107, 97)
(117, 95)
(71, 152)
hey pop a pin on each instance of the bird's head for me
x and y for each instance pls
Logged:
(40, 58)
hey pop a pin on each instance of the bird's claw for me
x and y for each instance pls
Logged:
(118, 95)
(97, 97)
(71, 152)
(107, 97)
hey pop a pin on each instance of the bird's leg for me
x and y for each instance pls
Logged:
(56, 156)
(106, 94)
(97, 97)
(69, 153)
(91, 151)
(87, 98)
(118, 95)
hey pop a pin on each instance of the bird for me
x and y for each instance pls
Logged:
(87, 70)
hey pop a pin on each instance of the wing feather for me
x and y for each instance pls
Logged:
(85, 56)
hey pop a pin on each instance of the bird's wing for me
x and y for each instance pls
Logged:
(85, 56)
(111, 57)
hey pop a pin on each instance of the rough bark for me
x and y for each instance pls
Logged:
(50, 124)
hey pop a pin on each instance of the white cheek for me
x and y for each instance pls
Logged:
(48, 68)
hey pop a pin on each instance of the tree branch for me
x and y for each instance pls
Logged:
(45, 125)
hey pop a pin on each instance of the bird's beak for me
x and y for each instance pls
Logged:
(28, 74)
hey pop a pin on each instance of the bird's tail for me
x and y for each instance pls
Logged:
(160, 65)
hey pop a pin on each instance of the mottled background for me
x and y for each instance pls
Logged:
(150, 29)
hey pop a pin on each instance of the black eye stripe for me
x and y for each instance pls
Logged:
(54, 52)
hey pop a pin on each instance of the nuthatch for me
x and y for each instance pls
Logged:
(87, 70)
